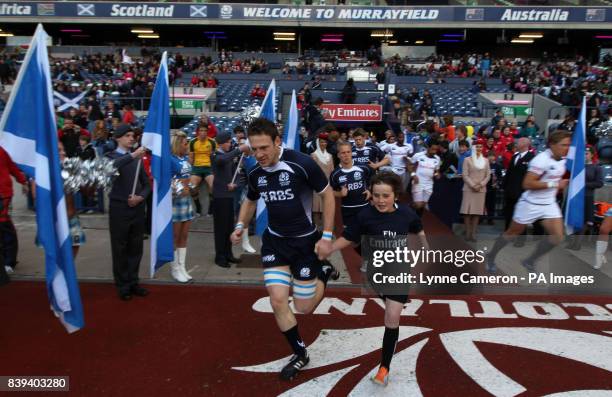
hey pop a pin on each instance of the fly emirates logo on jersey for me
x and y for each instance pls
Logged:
(473, 344)
(355, 112)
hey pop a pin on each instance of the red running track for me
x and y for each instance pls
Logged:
(184, 340)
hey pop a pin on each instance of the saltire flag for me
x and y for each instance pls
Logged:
(156, 137)
(291, 136)
(268, 111)
(29, 135)
(65, 102)
(574, 208)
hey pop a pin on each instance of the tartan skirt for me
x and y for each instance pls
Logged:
(182, 209)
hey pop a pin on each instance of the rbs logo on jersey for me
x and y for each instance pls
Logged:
(277, 195)
(355, 186)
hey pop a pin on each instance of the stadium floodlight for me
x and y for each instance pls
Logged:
(419, 42)
(392, 41)
(284, 34)
(522, 41)
(148, 36)
(531, 35)
(6, 34)
(143, 30)
(284, 38)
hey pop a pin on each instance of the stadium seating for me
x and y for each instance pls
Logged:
(235, 96)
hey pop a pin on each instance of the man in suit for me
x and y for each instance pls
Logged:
(513, 181)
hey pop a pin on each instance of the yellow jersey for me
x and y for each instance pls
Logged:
(202, 151)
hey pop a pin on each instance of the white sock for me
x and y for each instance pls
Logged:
(601, 247)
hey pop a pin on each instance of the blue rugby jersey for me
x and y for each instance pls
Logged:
(366, 154)
(356, 179)
(287, 189)
(371, 222)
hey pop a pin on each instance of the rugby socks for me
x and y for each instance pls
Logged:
(542, 248)
(601, 247)
(388, 347)
(326, 270)
(296, 342)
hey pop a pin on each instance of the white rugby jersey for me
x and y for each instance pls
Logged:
(549, 170)
(398, 156)
(426, 168)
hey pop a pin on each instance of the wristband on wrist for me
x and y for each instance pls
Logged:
(327, 236)
(413, 174)
(552, 184)
(239, 225)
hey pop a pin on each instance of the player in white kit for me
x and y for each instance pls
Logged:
(424, 168)
(399, 153)
(539, 200)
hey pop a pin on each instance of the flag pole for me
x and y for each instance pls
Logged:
(136, 177)
(237, 169)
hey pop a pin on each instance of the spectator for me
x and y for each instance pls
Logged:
(529, 130)
(313, 118)
(448, 131)
(492, 187)
(476, 174)
(101, 142)
(513, 180)
(498, 116)
(448, 160)
(325, 161)
(464, 152)
(461, 135)
(9, 245)
(69, 135)
(349, 92)
(85, 151)
(508, 154)
(258, 92)
(128, 115)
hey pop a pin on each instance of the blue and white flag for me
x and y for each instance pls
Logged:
(291, 137)
(574, 208)
(65, 102)
(29, 135)
(156, 137)
(268, 111)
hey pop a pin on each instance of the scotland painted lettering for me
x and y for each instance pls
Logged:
(118, 10)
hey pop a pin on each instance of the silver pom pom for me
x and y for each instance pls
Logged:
(604, 129)
(250, 113)
(97, 173)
